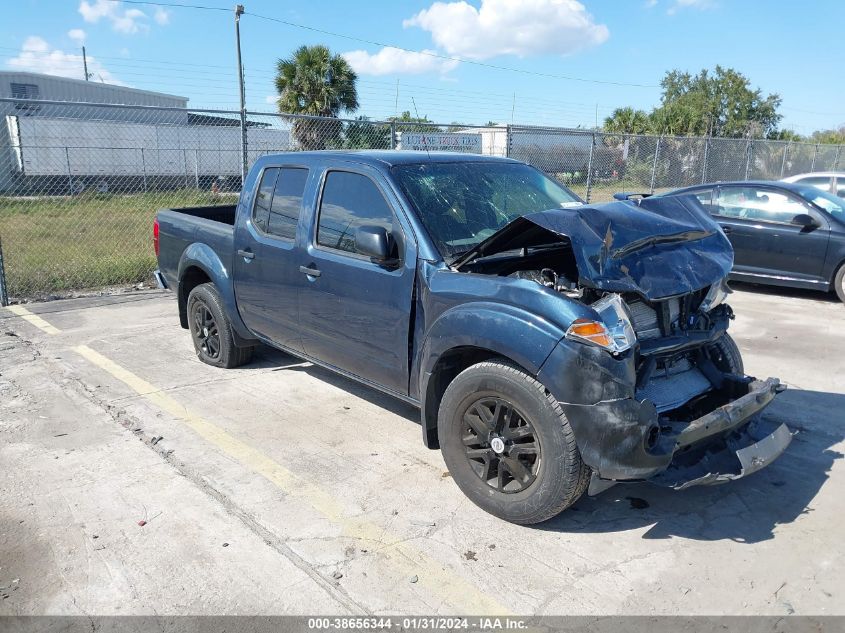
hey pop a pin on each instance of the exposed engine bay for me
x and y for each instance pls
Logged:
(646, 374)
(675, 368)
(668, 337)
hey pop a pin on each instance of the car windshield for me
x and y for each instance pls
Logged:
(461, 204)
(827, 201)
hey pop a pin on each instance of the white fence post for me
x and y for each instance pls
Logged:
(654, 164)
(144, 169)
(69, 175)
(590, 169)
(4, 293)
(785, 154)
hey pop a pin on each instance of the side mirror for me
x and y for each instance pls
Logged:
(805, 220)
(373, 241)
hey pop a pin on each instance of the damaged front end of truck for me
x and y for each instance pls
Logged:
(651, 384)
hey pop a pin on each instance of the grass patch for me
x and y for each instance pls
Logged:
(56, 244)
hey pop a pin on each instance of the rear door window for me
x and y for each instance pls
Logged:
(264, 198)
(350, 200)
(822, 182)
(705, 197)
(287, 202)
(752, 203)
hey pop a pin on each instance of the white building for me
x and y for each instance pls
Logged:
(67, 135)
(26, 85)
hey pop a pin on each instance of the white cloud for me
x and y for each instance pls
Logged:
(508, 27)
(650, 4)
(122, 20)
(161, 16)
(689, 4)
(77, 35)
(390, 60)
(38, 56)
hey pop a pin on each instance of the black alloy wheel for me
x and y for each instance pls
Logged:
(501, 445)
(206, 331)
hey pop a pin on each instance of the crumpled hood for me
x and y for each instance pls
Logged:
(657, 247)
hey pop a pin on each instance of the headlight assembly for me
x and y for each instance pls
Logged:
(717, 294)
(613, 332)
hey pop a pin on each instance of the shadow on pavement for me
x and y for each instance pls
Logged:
(744, 511)
(277, 360)
(784, 291)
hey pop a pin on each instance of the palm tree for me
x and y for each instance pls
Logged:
(627, 121)
(315, 82)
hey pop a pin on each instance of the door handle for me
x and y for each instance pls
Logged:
(726, 229)
(246, 254)
(311, 272)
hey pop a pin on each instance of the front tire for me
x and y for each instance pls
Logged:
(726, 355)
(508, 444)
(211, 330)
(839, 283)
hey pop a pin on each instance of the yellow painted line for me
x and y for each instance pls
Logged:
(404, 556)
(33, 319)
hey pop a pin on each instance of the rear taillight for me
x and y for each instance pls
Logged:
(155, 235)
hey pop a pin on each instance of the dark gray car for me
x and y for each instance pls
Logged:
(784, 234)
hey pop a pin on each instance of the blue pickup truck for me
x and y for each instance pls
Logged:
(553, 347)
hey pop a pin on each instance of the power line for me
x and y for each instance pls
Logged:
(176, 5)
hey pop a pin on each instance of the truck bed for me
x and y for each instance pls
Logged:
(223, 213)
(211, 226)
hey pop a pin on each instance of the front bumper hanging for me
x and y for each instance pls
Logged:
(727, 443)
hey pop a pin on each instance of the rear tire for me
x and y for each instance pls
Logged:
(508, 444)
(839, 283)
(211, 329)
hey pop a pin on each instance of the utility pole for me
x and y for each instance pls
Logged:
(239, 10)
(85, 64)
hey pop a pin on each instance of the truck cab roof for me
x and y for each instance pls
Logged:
(388, 158)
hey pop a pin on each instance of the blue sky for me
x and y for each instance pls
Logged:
(790, 48)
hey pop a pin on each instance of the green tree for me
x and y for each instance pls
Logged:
(364, 134)
(410, 123)
(316, 82)
(786, 135)
(718, 103)
(627, 121)
(833, 137)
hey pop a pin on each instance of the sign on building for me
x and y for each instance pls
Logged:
(440, 142)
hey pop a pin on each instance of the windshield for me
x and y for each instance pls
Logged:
(827, 201)
(462, 204)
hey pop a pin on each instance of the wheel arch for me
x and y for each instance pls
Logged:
(192, 277)
(200, 264)
(471, 333)
(449, 364)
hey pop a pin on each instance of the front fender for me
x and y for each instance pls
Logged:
(202, 256)
(504, 330)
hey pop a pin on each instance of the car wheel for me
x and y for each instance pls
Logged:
(839, 283)
(508, 444)
(726, 355)
(211, 329)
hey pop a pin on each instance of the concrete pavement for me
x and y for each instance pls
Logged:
(281, 488)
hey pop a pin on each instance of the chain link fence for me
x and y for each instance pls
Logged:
(80, 183)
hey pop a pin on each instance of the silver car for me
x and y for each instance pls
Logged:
(830, 181)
